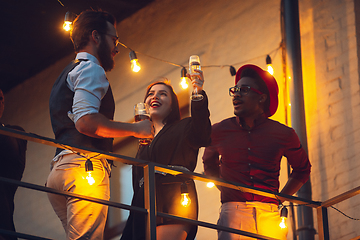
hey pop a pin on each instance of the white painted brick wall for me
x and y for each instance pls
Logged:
(221, 32)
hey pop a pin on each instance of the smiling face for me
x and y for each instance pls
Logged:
(251, 104)
(159, 101)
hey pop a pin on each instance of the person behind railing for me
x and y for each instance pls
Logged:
(12, 161)
(251, 147)
(176, 144)
(81, 110)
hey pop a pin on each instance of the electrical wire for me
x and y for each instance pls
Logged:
(79, 154)
(174, 64)
(61, 3)
(356, 219)
(209, 66)
(206, 66)
(299, 205)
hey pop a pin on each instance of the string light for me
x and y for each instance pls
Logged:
(88, 169)
(183, 82)
(69, 18)
(210, 184)
(88, 166)
(269, 65)
(232, 71)
(283, 216)
(135, 66)
(185, 199)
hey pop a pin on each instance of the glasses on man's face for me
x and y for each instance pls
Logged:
(114, 38)
(243, 90)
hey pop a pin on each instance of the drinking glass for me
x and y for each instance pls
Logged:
(141, 112)
(194, 63)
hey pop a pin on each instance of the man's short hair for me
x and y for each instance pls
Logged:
(87, 22)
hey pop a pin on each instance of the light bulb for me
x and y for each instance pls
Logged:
(232, 71)
(69, 18)
(135, 66)
(283, 216)
(184, 83)
(67, 25)
(283, 224)
(210, 184)
(90, 179)
(269, 65)
(185, 200)
(89, 168)
(270, 69)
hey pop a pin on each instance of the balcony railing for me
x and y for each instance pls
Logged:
(149, 185)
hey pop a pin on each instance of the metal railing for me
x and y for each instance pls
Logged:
(149, 186)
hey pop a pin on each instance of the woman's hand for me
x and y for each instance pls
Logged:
(197, 79)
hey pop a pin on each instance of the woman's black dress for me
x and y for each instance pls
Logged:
(177, 144)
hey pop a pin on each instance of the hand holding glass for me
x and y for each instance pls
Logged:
(141, 112)
(194, 64)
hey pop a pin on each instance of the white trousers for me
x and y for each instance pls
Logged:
(255, 217)
(81, 219)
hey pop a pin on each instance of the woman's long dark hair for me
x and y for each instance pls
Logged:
(174, 115)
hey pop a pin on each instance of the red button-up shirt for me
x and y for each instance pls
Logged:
(252, 157)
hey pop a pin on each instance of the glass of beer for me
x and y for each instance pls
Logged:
(141, 112)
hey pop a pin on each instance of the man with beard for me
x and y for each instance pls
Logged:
(81, 110)
(251, 147)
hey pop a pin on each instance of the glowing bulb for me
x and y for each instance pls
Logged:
(283, 216)
(89, 168)
(184, 83)
(210, 184)
(67, 25)
(269, 65)
(185, 200)
(135, 66)
(90, 179)
(69, 18)
(282, 224)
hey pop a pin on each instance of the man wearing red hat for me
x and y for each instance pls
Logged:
(250, 147)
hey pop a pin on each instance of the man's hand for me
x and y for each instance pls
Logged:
(291, 187)
(145, 129)
(98, 126)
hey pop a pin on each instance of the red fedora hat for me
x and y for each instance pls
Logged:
(270, 83)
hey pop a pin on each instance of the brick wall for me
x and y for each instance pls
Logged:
(221, 33)
(330, 61)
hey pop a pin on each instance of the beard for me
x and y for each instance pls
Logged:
(105, 58)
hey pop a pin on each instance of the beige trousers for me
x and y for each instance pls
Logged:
(81, 219)
(255, 217)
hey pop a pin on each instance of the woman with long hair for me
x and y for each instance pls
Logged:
(176, 144)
